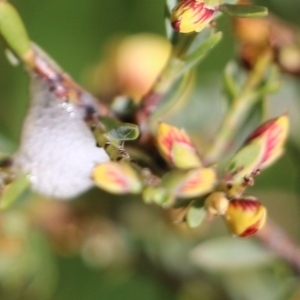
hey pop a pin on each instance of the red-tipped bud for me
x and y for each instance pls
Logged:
(176, 147)
(244, 217)
(272, 135)
(190, 183)
(262, 148)
(191, 15)
(117, 178)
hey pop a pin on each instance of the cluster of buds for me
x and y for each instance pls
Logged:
(243, 215)
(192, 15)
(259, 35)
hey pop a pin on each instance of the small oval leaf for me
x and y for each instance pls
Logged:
(244, 11)
(13, 29)
(123, 132)
(195, 216)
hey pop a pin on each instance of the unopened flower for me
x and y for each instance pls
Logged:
(244, 217)
(263, 147)
(191, 15)
(190, 183)
(117, 178)
(272, 135)
(176, 147)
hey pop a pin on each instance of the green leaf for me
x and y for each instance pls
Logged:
(175, 98)
(200, 52)
(158, 195)
(244, 162)
(124, 132)
(244, 11)
(227, 254)
(14, 192)
(230, 85)
(195, 216)
(170, 4)
(109, 123)
(13, 29)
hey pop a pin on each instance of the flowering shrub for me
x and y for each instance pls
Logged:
(124, 144)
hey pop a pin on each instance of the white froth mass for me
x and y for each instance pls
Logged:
(57, 148)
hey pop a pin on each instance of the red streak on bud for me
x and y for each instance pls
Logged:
(120, 180)
(205, 14)
(175, 136)
(176, 25)
(246, 204)
(272, 141)
(251, 230)
(192, 184)
(260, 130)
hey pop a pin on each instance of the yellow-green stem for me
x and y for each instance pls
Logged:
(238, 110)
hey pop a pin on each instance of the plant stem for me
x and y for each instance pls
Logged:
(164, 82)
(238, 110)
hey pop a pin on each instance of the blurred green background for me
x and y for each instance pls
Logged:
(104, 247)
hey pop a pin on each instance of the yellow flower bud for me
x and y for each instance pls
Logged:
(117, 178)
(244, 217)
(216, 203)
(176, 147)
(191, 15)
(272, 134)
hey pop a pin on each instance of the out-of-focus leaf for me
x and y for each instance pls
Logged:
(200, 52)
(14, 192)
(27, 266)
(195, 216)
(158, 195)
(169, 5)
(227, 254)
(244, 11)
(117, 178)
(272, 83)
(13, 30)
(230, 84)
(175, 98)
(255, 284)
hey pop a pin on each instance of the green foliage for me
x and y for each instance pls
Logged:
(195, 216)
(244, 11)
(13, 30)
(15, 192)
